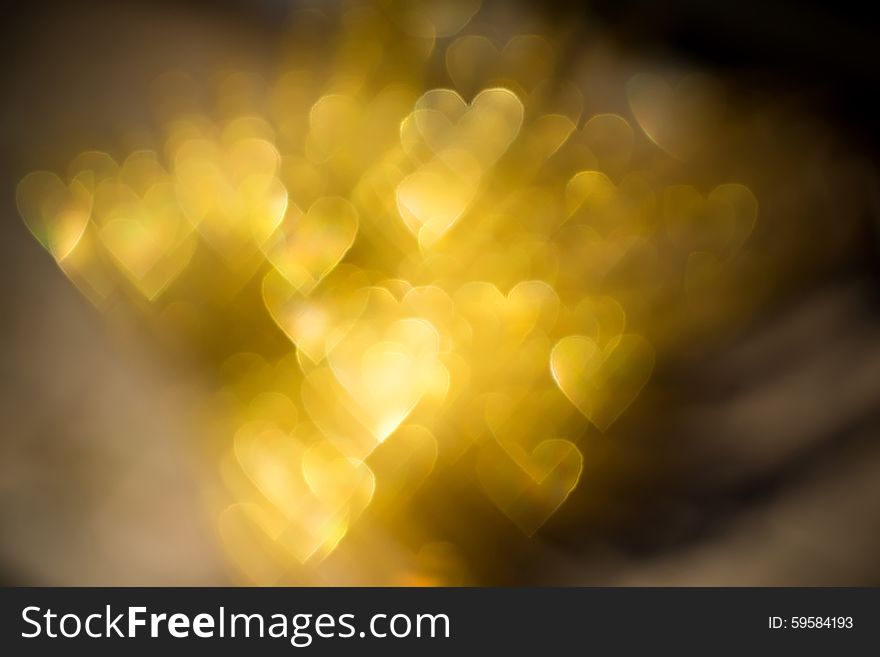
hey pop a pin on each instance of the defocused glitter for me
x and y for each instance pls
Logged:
(485, 271)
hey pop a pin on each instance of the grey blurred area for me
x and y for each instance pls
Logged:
(771, 471)
(777, 478)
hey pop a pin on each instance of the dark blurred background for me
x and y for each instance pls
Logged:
(782, 488)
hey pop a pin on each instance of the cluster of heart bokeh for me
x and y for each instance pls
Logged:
(404, 272)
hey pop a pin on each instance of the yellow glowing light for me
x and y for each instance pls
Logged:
(382, 274)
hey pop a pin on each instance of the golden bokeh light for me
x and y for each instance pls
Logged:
(417, 245)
